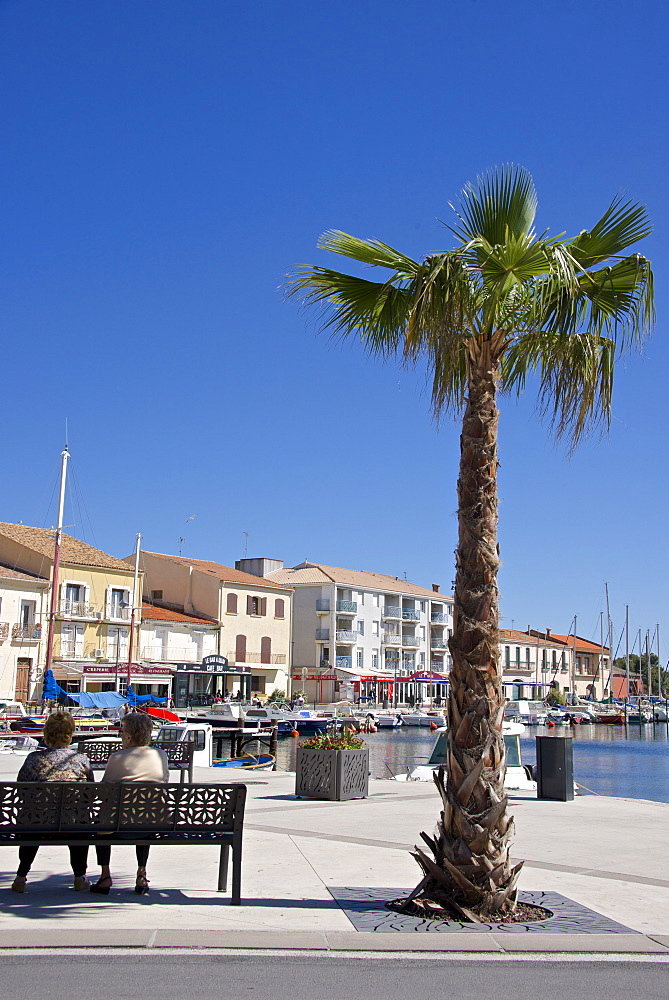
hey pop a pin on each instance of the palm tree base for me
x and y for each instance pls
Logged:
(434, 906)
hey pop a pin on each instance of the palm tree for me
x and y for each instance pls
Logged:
(502, 306)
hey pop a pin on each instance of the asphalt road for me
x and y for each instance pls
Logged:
(196, 977)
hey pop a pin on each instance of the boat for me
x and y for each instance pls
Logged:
(18, 744)
(529, 713)
(250, 762)
(200, 733)
(518, 776)
(385, 721)
(425, 719)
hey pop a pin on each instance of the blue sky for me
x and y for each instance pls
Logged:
(164, 164)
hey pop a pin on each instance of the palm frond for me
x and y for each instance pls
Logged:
(622, 225)
(502, 200)
(370, 252)
(575, 379)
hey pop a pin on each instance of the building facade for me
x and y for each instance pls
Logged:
(359, 635)
(92, 608)
(252, 617)
(23, 607)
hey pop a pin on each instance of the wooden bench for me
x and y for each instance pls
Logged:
(62, 812)
(179, 755)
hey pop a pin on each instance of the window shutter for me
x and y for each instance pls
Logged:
(240, 649)
(278, 608)
(249, 605)
(263, 606)
(265, 649)
(231, 606)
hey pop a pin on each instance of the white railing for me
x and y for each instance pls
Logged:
(345, 635)
(118, 613)
(250, 657)
(439, 618)
(410, 616)
(392, 639)
(391, 612)
(438, 644)
(70, 650)
(410, 640)
(78, 609)
(169, 654)
(346, 607)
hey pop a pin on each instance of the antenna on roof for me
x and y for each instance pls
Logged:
(246, 542)
(181, 541)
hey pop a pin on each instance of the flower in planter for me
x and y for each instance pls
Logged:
(330, 741)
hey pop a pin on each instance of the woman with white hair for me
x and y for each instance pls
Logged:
(137, 761)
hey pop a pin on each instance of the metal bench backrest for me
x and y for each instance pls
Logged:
(32, 809)
(179, 755)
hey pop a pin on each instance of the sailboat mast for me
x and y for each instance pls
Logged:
(132, 609)
(64, 456)
(627, 658)
(606, 683)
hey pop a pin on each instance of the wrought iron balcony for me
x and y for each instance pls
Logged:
(118, 612)
(77, 609)
(344, 662)
(411, 641)
(345, 635)
(410, 616)
(71, 650)
(392, 639)
(438, 644)
(346, 607)
(161, 655)
(390, 611)
(439, 618)
(4, 630)
(322, 634)
(323, 607)
(29, 632)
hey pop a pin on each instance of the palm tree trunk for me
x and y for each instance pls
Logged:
(471, 872)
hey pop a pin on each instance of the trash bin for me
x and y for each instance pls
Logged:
(385, 703)
(555, 767)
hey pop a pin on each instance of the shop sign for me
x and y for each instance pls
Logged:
(214, 665)
(315, 677)
(136, 670)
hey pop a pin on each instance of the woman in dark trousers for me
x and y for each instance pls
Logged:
(56, 763)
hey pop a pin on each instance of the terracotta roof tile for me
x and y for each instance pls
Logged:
(509, 635)
(224, 573)
(310, 573)
(582, 645)
(152, 613)
(8, 573)
(74, 552)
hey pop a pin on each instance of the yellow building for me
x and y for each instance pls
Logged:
(93, 606)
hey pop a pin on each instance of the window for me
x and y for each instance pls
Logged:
(231, 604)
(359, 659)
(119, 603)
(256, 605)
(362, 597)
(554, 659)
(361, 627)
(422, 607)
(27, 613)
(527, 655)
(518, 655)
(240, 649)
(74, 592)
(375, 628)
(156, 595)
(266, 649)
(507, 656)
(375, 660)
(279, 608)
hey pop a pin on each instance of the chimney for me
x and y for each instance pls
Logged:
(548, 633)
(435, 588)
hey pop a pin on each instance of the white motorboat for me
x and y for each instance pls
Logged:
(18, 744)
(517, 775)
(200, 733)
(425, 719)
(529, 713)
(385, 721)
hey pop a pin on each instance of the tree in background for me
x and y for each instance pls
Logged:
(659, 677)
(504, 306)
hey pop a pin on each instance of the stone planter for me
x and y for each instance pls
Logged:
(337, 775)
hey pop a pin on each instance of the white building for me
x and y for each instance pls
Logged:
(357, 634)
(23, 620)
(177, 643)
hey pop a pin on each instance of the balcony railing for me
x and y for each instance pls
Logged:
(410, 640)
(169, 655)
(77, 609)
(346, 607)
(251, 657)
(439, 618)
(438, 644)
(322, 605)
(71, 651)
(4, 630)
(392, 612)
(118, 613)
(29, 632)
(345, 635)
(345, 662)
(322, 634)
(392, 639)
(410, 616)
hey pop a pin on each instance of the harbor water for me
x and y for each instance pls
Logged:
(608, 760)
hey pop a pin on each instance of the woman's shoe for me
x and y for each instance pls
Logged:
(19, 884)
(141, 885)
(81, 883)
(102, 886)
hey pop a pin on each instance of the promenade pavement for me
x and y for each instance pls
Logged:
(608, 854)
